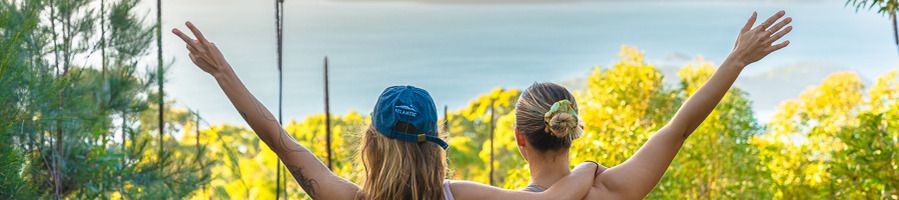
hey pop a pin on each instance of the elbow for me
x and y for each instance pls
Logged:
(677, 130)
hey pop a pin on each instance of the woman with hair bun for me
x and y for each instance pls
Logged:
(547, 122)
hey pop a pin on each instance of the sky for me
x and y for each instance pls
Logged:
(461, 49)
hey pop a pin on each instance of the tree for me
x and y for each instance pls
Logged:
(621, 107)
(831, 142)
(866, 167)
(59, 118)
(17, 24)
(717, 162)
(469, 154)
(888, 7)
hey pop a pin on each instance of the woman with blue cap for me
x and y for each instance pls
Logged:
(402, 154)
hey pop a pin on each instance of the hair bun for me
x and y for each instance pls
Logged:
(562, 121)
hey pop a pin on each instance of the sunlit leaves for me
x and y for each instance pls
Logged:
(621, 107)
(830, 142)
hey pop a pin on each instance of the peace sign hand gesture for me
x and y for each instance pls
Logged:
(203, 53)
(753, 44)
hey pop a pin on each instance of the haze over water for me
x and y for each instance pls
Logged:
(459, 51)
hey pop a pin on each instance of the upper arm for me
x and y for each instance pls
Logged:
(311, 174)
(637, 176)
(308, 171)
(463, 190)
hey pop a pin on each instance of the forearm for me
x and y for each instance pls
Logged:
(307, 170)
(253, 112)
(699, 105)
(637, 176)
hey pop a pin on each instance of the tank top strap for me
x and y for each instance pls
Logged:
(534, 188)
(447, 192)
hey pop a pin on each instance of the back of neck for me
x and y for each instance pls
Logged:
(549, 168)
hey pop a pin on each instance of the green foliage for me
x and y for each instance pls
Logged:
(621, 107)
(831, 143)
(469, 136)
(241, 160)
(91, 131)
(883, 6)
(717, 162)
(76, 131)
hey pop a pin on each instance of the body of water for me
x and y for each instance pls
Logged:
(458, 51)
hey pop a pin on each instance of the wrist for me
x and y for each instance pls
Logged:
(734, 62)
(225, 73)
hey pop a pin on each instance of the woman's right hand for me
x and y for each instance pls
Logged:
(753, 44)
(203, 53)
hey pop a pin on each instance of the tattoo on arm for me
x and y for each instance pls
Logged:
(287, 145)
(286, 142)
(244, 115)
(308, 184)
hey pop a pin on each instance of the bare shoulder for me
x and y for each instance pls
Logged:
(599, 190)
(600, 170)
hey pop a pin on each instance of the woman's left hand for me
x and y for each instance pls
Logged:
(753, 44)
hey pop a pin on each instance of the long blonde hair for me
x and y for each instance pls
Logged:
(401, 170)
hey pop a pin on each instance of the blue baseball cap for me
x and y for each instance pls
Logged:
(407, 113)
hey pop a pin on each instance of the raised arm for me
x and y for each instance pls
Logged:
(573, 186)
(307, 170)
(637, 176)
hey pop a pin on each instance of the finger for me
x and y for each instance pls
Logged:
(749, 22)
(780, 34)
(192, 49)
(184, 37)
(197, 33)
(771, 20)
(780, 25)
(196, 47)
(778, 46)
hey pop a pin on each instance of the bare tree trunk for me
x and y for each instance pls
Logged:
(67, 39)
(197, 142)
(328, 117)
(54, 173)
(446, 120)
(103, 35)
(67, 55)
(895, 29)
(160, 75)
(279, 37)
(103, 45)
(124, 154)
(492, 121)
(54, 35)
